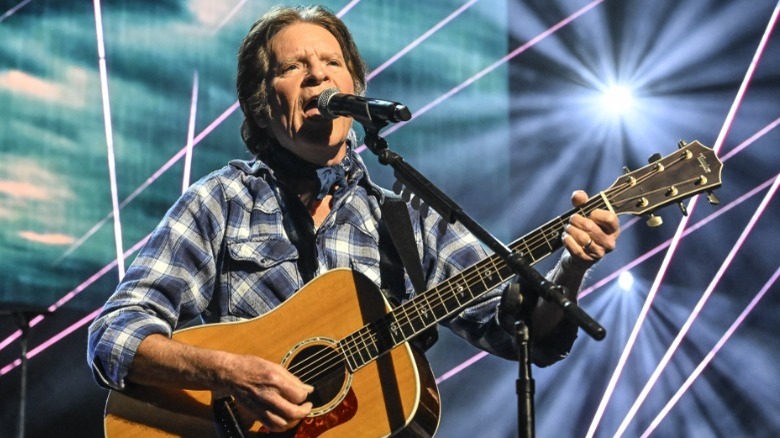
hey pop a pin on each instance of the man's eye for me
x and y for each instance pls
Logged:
(289, 67)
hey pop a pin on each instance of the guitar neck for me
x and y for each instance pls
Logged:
(692, 169)
(447, 298)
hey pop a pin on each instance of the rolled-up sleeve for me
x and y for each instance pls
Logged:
(170, 282)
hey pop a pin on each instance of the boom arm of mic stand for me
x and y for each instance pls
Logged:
(451, 212)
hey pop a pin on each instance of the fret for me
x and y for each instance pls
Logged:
(411, 317)
(560, 226)
(607, 204)
(402, 324)
(346, 348)
(500, 277)
(372, 348)
(489, 277)
(425, 311)
(547, 241)
(360, 347)
(397, 333)
(458, 290)
(442, 310)
(476, 286)
(484, 274)
(449, 300)
(516, 247)
(528, 251)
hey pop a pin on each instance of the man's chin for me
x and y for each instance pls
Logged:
(321, 138)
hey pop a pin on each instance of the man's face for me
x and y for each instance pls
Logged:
(306, 59)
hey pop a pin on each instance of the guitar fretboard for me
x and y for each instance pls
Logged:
(692, 169)
(427, 309)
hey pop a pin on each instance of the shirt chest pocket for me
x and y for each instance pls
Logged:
(259, 275)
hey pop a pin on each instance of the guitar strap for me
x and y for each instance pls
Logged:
(397, 224)
(396, 244)
(300, 230)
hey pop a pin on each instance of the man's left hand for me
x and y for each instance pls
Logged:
(589, 238)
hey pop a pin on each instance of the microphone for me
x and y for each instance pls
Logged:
(333, 103)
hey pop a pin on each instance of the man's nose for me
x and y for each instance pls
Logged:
(317, 73)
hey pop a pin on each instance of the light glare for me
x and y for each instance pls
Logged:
(626, 280)
(618, 99)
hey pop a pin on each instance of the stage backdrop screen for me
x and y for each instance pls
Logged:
(97, 116)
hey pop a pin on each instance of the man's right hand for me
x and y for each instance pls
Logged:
(266, 388)
(275, 395)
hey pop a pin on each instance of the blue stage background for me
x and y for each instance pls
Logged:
(509, 119)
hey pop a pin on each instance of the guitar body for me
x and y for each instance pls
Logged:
(393, 395)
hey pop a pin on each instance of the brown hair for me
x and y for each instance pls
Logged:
(254, 58)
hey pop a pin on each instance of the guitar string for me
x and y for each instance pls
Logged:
(320, 360)
(533, 244)
(554, 230)
(317, 361)
(358, 337)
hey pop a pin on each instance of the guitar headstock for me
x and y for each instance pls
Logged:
(692, 169)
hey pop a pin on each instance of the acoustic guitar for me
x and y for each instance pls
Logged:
(339, 334)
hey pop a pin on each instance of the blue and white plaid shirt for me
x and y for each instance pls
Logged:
(221, 254)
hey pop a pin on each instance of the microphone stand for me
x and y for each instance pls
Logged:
(22, 315)
(515, 317)
(518, 317)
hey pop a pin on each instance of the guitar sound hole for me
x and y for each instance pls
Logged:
(321, 366)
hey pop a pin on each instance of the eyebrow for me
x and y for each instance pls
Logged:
(322, 54)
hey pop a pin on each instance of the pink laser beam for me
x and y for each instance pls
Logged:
(465, 364)
(706, 361)
(697, 309)
(77, 290)
(347, 8)
(230, 15)
(490, 68)
(746, 81)
(152, 178)
(641, 259)
(420, 39)
(675, 240)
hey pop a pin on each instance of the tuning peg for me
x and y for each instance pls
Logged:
(681, 144)
(655, 157)
(654, 221)
(711, 198)
(626, 169)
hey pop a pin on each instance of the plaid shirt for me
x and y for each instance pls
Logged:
(221, 254)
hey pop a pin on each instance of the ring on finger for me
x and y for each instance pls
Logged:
(587, 245)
